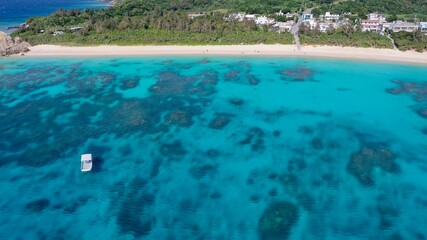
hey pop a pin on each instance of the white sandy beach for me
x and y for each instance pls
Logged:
(236, 50)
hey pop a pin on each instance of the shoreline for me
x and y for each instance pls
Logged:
(334, 52)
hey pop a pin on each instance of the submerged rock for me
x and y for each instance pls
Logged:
(174, 150)
(129, 83)
(422, 112)
(254, 137)
(37, 205)
(277, 221)
(220, 121)
(199, 172)
(362, 163)
(298, 74)
(178, 117)
(317, 143)
(9, 45)
(236, 101)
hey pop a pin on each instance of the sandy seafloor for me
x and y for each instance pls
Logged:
(212, 148)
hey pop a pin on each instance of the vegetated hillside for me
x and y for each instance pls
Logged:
(129, 23)
(363, 7)
(248, 6)
(167, 22)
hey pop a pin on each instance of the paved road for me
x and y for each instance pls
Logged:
(295, 31)
(295, 28)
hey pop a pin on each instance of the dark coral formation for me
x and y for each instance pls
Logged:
(129, 83)
(173, 151)
(278, 220)
(298, 74)
(174, 100)
(221, 120)
(212, 153)
(134, 215)
(179, 117)
(255, 138)
(37, 205)
(241, 73)
(388, 210)
(201, 171)
(317, 143)
(421, 111)
(236, 101)
(362, 163)
(418, 91)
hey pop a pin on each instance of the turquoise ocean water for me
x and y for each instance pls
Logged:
(212, 148)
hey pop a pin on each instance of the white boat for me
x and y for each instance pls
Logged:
(86, 162)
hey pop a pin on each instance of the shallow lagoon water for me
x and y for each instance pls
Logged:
(212, 148)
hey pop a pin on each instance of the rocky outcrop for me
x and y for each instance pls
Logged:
(9, 45)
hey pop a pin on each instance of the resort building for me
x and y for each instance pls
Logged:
(250, 17)
(311, 24)
(284, 26)
(307, 17)
(377, 17)
(371, 25)
(263, 20)
(423, 27)
(404, 26)
(325, 26)
(386, 26)
(287, 15)
(331, 17)
(57, 33)
(235, 17)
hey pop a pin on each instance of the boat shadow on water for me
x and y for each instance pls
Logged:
(98, 162)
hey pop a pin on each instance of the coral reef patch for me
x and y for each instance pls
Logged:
(278, 220)
(370, 156)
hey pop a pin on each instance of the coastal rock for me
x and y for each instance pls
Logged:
(9, 45)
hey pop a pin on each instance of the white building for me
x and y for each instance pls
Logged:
(404, 26)
(289, 15)
(57, 33)
(371, 25)
(284, 26)
(263, 20)
(325, 26)
(307, 17)
(423, 27)
(310, 23)
(386, 26)
(250, 17)
(376, 17)
(331, 17)
(235, 17)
